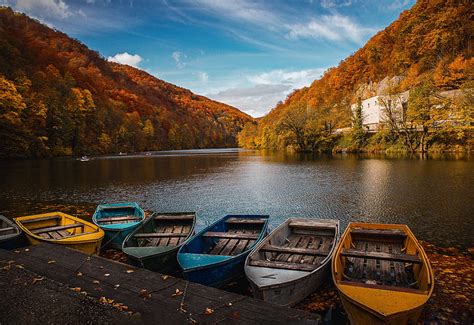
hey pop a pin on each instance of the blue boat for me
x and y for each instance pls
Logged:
(117, 220)
(216, 255)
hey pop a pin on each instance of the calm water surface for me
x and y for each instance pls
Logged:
(435, 197)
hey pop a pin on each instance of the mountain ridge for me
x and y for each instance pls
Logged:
(61, 98)
(431, 41)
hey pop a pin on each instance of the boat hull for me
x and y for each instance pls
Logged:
(166, 263)
(289, 294)
(18, 241)
(357, 314)
(88, 247)
(217, 275)
(115, 237)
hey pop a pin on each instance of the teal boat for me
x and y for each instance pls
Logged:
(117, 220)
(216, 255)
(154, 244)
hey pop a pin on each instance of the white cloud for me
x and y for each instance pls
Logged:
(328, 4)
(296, 79)
(179, 58)
(241, 10)
(125, 58)
(42, 9)
(256, 100)
(203, 76)
(331, 27)
(266, 90)
(398, 4)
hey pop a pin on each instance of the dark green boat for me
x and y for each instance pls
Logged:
(154, 244)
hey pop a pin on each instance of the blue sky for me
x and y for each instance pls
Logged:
(249, 54)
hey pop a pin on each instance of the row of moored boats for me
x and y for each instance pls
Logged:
(381, 271)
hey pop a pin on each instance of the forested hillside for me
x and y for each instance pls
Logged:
(429, 46)
(57, 97)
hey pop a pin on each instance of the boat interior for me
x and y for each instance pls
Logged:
(118, 214)
(55, 226)
(381, 257)
(6, 228)
(169, 229)
(301, 246)
(232, 236)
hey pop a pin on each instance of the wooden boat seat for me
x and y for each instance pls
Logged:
(7, 229)
(227, 235)
(40, 219)
(56, 228)
(284, 265)
(381, 256)
(240, 221)
(311, 225)
(120, 207)
(294, 250)
(160, 235)
(383, 233)
(189, 217)
(121, 218)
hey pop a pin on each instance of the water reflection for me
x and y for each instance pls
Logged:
(433, 196)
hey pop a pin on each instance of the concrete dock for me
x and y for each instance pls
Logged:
(120, 293)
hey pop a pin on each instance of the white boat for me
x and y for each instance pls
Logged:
(293, 260)
(84, 158)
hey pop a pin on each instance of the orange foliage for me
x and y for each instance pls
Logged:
(128, 103)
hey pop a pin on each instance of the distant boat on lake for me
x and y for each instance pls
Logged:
(216, 255)
(84, 158)
(382, 273)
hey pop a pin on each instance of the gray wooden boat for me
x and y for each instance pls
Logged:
(10, 234)
(293, 261)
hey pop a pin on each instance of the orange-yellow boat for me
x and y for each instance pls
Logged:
(382, 274)
(62, 229)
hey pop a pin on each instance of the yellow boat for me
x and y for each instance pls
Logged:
(63, 229)
(382, 274)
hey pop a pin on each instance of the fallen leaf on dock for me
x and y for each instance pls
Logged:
(96, 282)
(79, 273)
(51, 262)
(177, 293)
(130, 271)
(36, 280)
(76, 289)
(165, 277)
(20, 266)
(17, 251)
(145, 294)
(116, 286)
(107, 274)
(209, 311)
(27, 249)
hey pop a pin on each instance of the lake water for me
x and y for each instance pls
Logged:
(435, 197)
